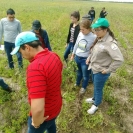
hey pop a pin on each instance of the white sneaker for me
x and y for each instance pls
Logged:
(75, 85)
(92, 110)
(89, 100)
(82, 91)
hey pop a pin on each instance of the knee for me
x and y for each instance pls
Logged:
(64, 55)
(8, 55)
(79, 74)
(86, 77)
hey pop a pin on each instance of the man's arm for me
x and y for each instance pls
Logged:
(89, 13)
(46, 40)
(19, 28)
(75, 48)
(37, 110)
(100, 14)
(36, 83)
(1, 31)
(69, 34)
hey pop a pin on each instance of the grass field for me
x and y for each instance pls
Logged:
(115, 113)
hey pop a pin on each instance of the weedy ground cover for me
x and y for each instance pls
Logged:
(115, 113)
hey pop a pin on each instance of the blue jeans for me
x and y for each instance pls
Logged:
(82, 72)
(99, 81)
(8, 48)
(3, 84)
(69, 50)
(92, 18)
(50, 126)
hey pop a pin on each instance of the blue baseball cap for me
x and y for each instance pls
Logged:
(100, 22)
(24, 38)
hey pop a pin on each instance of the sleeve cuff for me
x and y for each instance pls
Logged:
(108, 71)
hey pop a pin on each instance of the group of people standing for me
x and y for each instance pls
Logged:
(92, 13)
(44, 73)
(10, 27)
(94, 52)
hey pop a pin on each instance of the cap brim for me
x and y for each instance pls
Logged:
(35, 28)
(15, 50)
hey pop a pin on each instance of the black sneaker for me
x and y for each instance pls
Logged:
(9, 89)
(90, 80)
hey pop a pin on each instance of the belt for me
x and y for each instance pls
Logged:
(81, 57)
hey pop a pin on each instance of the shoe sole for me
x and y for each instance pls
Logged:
(89, 101)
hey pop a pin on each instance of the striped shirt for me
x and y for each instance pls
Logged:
(44, 76)
(10, 29)
(72, 34)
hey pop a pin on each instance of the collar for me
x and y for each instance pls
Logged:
(105, 38)
(42, 53)
(10, 21)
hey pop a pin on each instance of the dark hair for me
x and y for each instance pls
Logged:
(76, 14)
(10, 11)
(41, 32)
(110, 33)
(85, 23)
(33, 44)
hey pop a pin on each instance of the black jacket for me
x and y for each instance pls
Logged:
(92, 13)
(103, 14)
(76, 32)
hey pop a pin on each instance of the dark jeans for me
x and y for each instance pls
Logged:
(3, 84)
(92, 18)
(69, 50)
(48, 126)
(82, 72)
(8, 48)
(99, 81)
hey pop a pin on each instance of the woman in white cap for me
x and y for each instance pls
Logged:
(105, 58)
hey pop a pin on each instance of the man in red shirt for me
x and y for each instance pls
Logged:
(44, 76)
